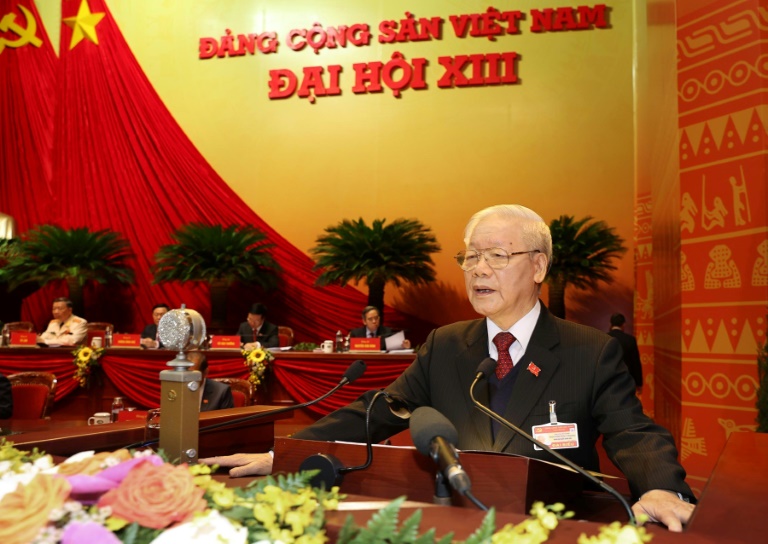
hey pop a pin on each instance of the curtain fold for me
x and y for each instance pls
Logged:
(27, 104)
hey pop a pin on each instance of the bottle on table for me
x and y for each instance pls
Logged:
(339, 342)
(117, 406)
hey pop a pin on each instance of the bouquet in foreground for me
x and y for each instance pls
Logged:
(138, 498)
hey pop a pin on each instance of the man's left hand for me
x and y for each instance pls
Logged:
(664, 507)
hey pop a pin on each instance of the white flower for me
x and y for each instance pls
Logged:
(209, 527)
(44, 464)
(11, 480)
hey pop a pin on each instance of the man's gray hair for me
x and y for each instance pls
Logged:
(536, 233)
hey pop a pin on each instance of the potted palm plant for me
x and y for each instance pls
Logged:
(583, 255)
(77, 256)
(218, 256)
(379, 254)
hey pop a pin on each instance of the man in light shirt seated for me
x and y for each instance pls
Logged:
(149, 338)
(65, 329)
(372, 327)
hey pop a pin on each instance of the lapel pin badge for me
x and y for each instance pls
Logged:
(533, 369)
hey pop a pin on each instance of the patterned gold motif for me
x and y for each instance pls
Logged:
(690, 443)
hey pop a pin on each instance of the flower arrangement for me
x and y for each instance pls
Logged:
(85, 359)
(138, 498)
(257, 360)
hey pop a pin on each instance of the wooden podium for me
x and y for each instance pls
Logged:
(510, 483)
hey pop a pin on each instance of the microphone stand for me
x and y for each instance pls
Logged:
(496, 417)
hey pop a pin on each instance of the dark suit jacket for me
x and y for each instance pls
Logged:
(581, 369)
(381, 332)
(631, 354)
(267, 334)
(6, 398)
(150, 331)
(216, 396)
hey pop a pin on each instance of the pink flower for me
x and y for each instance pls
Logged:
(156, 496)
(87, 489)
(91, 532)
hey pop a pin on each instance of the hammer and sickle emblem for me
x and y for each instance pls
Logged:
(26, 35)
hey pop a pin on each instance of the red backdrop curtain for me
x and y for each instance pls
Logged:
(119, 161)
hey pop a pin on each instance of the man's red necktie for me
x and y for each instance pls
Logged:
(503, 340)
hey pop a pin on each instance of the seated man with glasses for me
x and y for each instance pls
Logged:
(149, 337)
(542, 361)
(373, 328)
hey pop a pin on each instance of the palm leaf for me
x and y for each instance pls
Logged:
(399, 252)
(217, 253)
(49, 253)
(584, 251)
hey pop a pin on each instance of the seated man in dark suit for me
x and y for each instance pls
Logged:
(149, 338)
(6, 398)
(373, 328)
(257, 330)
(213, 395)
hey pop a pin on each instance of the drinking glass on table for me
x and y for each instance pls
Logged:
(152, 426)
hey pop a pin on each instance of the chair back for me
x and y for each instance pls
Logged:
(100, 329)
(242, 390)
(16, 326)
(285, 336)
(33, 394)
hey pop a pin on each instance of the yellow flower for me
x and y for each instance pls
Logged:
(256, 356)
(85, 354)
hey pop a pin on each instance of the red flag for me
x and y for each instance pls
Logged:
(533, 369)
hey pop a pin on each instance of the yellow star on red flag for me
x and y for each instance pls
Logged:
(83, 25)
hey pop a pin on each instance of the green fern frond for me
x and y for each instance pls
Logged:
(382, 526)
(484, 533)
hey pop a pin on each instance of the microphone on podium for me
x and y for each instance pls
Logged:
(436, 437)
(331, 469)
(353, 372)
(488, 366)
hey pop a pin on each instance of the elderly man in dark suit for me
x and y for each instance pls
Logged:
(372, 327)
(541, 358)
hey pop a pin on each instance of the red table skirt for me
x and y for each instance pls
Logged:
(134, 374)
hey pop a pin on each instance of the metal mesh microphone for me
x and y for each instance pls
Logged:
(179, 392)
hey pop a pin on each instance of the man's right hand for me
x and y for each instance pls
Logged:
(243, 464)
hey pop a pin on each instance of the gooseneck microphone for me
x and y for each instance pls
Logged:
(435, 436)
(353, 372)
(488, 366)
(331, 470)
